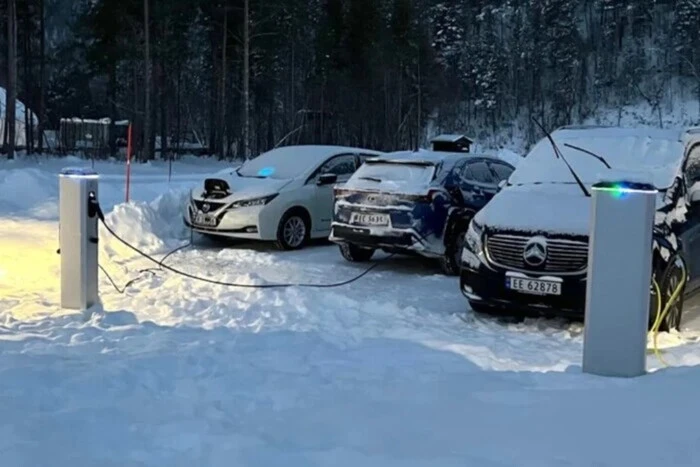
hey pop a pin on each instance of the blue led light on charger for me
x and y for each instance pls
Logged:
(620, 190)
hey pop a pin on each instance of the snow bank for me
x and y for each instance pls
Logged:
(151, 227)
(29, 190)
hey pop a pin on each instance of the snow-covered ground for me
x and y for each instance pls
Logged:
(390, 370)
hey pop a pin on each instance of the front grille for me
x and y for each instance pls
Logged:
(213, 206)
(563, 256)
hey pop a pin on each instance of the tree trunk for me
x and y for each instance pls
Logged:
(246, 79)
(222, 100)
(28, 82)
(112, 110)
(42, 78)
(11, 96)
(178, 112)
(147, 85)
(163, 103)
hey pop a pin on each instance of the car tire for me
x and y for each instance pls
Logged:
(293, 231)
(450, 263)
(355, 254)
(670, 280)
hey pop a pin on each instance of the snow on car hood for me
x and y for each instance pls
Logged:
(553, 208)
(246, 187)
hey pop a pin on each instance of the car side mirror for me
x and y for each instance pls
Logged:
(327, 179)
(694, 193)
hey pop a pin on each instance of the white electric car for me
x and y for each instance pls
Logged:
(284, 195)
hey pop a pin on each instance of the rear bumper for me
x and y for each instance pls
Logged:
(407, 240)
(487, 287)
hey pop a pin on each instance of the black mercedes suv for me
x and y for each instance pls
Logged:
(526, 252)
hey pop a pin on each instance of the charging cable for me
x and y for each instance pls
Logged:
(661, 314)
(94, 204)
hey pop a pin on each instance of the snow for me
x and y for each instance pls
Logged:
(386, 371)
(392, 177)
(449, 138)
(544, 196)
(289, 162)
(657, 151)
(509, 156)
(555, 208)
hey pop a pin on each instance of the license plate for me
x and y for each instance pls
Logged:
(205, 220)
(533, 286)
(369, 219)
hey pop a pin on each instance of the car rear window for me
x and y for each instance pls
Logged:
(392, 176)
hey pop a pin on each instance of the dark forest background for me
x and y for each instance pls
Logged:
(241, 76)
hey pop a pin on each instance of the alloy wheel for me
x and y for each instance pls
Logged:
(673, 318)
(294, 231)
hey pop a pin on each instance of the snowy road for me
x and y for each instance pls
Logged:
(385, 371)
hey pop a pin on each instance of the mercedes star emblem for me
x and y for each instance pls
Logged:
(535, 251)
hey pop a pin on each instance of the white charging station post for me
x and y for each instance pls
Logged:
(78, 236)
(619, 275)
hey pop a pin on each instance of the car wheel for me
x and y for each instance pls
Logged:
(354, 253)
(293, 231)
(670, 281)
(450, 263)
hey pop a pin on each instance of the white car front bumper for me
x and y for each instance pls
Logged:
(241, 222)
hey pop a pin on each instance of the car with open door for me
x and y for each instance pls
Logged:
(526, 252)
(284, 195)
(414, 203)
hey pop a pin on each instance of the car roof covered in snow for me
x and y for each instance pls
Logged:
(657, 151)
(289, 162)
(310, 154)
(431, 157)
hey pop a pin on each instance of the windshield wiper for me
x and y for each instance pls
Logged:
(371, 179)
(558, 153)
(586, 151)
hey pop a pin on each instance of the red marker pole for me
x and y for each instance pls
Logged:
(128, 161)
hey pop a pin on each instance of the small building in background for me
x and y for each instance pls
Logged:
(451, 143)
(23, 116)
(92, 137)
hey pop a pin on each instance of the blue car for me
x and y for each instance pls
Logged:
(414, 202)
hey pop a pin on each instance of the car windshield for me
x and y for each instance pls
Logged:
(660, 154)
(282, 164)
(392, 176)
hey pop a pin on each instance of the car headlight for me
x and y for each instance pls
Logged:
(247, 203)
(472, 238)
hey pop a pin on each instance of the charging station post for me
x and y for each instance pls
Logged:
(78, 236)
(619, 276)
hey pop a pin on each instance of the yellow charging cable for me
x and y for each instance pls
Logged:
(661, 315)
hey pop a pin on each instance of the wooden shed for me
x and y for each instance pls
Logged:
(451, 143)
